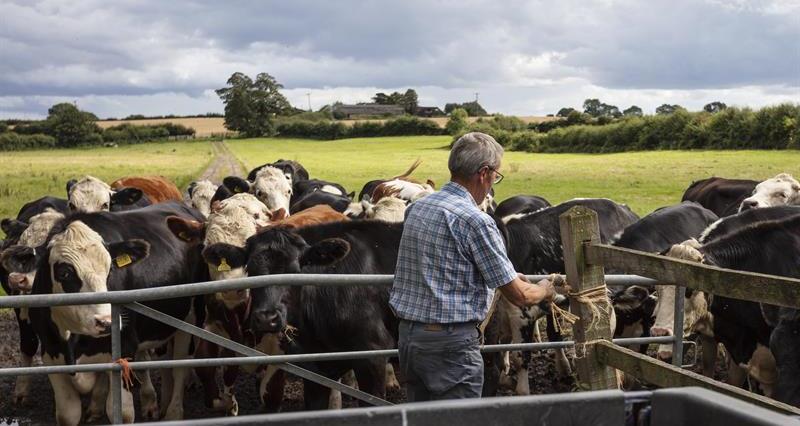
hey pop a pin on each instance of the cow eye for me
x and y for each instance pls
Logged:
(783, 195)
(258, 193)
(105, 206)
(72, 207)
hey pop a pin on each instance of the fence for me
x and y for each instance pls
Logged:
(584, 259)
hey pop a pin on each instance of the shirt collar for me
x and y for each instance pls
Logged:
(458, 189)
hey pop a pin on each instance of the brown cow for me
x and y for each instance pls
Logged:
(316, 215)
(156, 188)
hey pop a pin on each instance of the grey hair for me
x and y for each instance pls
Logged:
(473, 151)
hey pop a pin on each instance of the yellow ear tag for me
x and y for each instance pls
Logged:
(223, 266)
(123, 260)
(182, 235)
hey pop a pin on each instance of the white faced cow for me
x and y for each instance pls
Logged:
(89, 195)
(271, 187)
(781, 190)
(200, 195)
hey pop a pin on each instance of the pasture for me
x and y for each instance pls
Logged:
(28, 175)
(643, 180)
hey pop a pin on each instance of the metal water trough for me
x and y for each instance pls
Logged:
(665, 407)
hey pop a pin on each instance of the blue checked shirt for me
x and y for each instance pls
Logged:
(451, 259)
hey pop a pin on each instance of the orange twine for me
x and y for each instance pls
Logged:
(126, 373)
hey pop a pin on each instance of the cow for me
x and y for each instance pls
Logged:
(403, 189)
(157, 189)
(316, 215)
(271, 186)
(520, 205)
(697, 313)
(201, 194)
(781, 190)
(89, 194)
(18, 272)
(99, 252)
(13, 228)
(534, 247)
(368, 189)
(721, 196)
(307, 186)
(326, 318)
(758, 341)
(222, 237)
(294, 171)
(340, 203)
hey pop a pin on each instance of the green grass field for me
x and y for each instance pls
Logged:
(643, 180)
(28, 175)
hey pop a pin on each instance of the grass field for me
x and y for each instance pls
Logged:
(28, 175)
(643, 180)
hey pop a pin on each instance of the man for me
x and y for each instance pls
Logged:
(451, 259)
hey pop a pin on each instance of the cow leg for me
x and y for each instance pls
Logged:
(520, 366)
(181, 344)
(229, 375)
(392, 384)
(128, 414)
(763, 369)
(736, 374)
(208, 375)
(371, 376)
(315, 396)
(563, 367)
(97, 403)
(709, 359)
(147, 393)
(68, 402)
(28, 345)
(166, 382)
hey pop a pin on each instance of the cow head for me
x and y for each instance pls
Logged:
(270, 186)
(388, 209)
(634, 308)
(696, 318)
(80, 261)
(20, 260)
(279, 250)
(201, 193)
(13, 228)
(781, 190)
(89, 195)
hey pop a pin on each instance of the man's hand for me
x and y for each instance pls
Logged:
(550, 289)
(522, 293)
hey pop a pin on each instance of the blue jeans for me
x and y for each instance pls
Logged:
(440, 362)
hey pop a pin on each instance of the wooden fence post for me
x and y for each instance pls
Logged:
(579, 225)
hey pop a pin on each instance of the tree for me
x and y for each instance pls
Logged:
(592, 107)
(633, 111)
(564, 112)
(714, 107)
(410, 101)
(71, 126)
(458, 122)
(251, 106)
(666, 109)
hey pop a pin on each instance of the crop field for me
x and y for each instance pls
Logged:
(204, 126)
(643, 180)
(28, 175)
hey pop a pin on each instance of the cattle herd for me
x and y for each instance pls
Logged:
(142, 232)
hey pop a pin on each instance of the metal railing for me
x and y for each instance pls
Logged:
(130, 299)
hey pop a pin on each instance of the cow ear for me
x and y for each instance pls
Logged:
(236, 184)
(126, 196)
(279, 214)
(191, 231)
(222, 193)
(70, 184)
(19, 258)
(352, 195)
(13, 227)
(431, 183)
(126, 253)
(325, 252)
(190, 189)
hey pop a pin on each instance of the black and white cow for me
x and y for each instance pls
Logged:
(520, 205)
(270, 185)
(294, 171)
(89, 194)
(781, 190)
(307, 186)
(721, 196)
(99, 252)
(201, 193)
(329, 319)
(340, 203)
(533, 243)
(767, 351)
(13, 228)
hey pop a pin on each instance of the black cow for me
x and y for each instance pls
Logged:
(13, 228)
(329, 319)
(666, 226)
(305, 187)
(721, 196)
(520, 204)
(340, 203)
(733, 223)
(94, 252)
(293, 170)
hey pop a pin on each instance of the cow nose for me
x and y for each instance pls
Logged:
(17, 281)
(269, 321)
(660, 331)
(103, 323)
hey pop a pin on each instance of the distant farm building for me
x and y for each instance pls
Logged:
(427, 111)
(367, 110)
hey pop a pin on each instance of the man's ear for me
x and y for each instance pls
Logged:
(236, 184)
(13, 228)
(188, 230)
(326, 252)
(126, 196)
(126, 253)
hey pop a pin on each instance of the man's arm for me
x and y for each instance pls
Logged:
(522, 293)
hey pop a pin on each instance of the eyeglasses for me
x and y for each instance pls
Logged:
(499, 176)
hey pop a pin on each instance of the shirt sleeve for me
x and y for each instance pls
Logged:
(489, 253)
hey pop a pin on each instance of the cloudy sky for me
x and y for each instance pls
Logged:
(116, 58)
